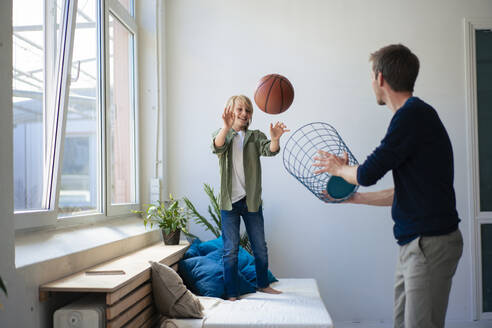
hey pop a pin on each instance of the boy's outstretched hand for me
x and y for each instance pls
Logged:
(277, 130)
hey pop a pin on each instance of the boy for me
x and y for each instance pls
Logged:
(239, 150)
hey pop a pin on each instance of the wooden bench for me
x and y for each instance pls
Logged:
(126, 282)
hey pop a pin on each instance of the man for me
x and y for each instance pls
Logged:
(417, 149)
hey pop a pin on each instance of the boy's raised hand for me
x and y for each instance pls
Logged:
(228, 117)
(277, 130)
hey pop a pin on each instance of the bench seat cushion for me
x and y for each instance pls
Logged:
(300, 305)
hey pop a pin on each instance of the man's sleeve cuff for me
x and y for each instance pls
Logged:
(360, 177)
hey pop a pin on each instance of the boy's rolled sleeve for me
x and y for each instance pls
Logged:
(215, 149)
(264, 143)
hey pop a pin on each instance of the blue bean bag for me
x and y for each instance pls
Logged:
(202, 269)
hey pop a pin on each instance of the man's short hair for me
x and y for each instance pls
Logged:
(398, 65)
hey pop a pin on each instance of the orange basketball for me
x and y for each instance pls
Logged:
(274, 94)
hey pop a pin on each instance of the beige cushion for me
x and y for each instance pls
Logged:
(171, 297)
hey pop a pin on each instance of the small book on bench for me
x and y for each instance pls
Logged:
(105, 272)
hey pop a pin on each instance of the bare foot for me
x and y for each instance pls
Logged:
(232, 299)
(270, 290)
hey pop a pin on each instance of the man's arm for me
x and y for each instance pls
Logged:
(349, 173)
(375, 198)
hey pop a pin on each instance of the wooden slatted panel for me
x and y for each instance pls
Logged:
(173, 259)
(134, 297)
(141, 318)
(112, 298)
(132, 264)
(152, 322)
(130, 313)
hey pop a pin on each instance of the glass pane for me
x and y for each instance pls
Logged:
(28, 99)
(80, 187)
(483, 40)
(486, 232)
(122, 122)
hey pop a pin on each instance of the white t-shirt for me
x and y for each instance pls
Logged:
(238, 180)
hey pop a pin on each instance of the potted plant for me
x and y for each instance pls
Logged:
(169, 216)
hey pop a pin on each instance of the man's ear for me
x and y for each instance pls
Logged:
(380, 79)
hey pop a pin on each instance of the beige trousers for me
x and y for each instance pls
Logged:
(424, 272)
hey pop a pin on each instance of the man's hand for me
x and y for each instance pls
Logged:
(337, 166)
(354, 199)
(277, 130)
(330, 163)
(228, 117)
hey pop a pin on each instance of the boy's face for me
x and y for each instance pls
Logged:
(243, 115)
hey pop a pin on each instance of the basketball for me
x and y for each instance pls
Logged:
(274, 94)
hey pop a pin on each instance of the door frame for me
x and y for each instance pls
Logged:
(477, 217)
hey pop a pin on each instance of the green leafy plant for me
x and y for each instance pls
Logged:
(213, 225)
(3, 288)
(169, 216)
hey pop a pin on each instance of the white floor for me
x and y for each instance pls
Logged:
(451, 324)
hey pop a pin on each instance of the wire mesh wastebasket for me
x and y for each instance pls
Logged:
(298, 158)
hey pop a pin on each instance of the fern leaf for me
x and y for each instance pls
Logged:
(244, 242)
(214, 218)
(214, 199)
(2, 287)
(199, 219)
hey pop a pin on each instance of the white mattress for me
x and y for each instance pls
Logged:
(299, 305)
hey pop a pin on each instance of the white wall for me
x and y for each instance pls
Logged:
(219, 48)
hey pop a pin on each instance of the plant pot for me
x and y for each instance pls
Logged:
(172, 238)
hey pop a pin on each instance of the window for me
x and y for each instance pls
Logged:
(73, 98)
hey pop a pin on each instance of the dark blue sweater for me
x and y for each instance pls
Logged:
(417, 149)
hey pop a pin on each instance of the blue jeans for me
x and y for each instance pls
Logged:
(253, 221)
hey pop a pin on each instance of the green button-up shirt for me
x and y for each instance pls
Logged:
(255, 145)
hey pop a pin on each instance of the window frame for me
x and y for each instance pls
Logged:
(119, 12)
(49, 216)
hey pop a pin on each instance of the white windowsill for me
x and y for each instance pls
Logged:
(113, 237)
